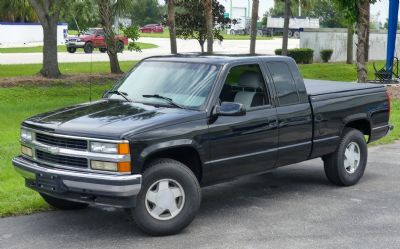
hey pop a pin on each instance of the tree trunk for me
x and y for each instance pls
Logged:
(171, 25)
(362, 32)
(367, 39)
(201, 42)
(254, 17)
(286, 28)
(209, 24)
(350, 34)
(48, 19)
(112, 48)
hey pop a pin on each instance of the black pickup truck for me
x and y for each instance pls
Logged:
(175, 123)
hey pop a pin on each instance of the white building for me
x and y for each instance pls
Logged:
(242, 8)
(15, 34)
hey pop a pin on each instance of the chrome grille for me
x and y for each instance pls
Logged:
(62, 160)
(62, 142)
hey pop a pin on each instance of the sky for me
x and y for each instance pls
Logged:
(379, 10)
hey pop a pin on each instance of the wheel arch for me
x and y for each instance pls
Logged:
(362, 124)
(183, 151)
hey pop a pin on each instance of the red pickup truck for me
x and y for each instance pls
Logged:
(91, 39)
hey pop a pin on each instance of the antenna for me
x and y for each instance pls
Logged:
(90, 77)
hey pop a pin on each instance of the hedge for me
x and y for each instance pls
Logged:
(300, 55)
(326, 54)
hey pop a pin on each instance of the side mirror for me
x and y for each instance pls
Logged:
(230, 109)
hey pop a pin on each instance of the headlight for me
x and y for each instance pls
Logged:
(26, 135)
(79, 40)
(109, 148)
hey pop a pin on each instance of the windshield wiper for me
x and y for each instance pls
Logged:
(122, 94)
(169, 100)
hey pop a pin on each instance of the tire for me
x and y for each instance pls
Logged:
(71, 50)
(290, 33)
(296, 34)
(88, 48)
(103, 50)
(120, 47)
(338, 169)
(178, 177)
(63, 204)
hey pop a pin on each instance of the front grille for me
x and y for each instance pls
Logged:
(62, 160)
(62, 142)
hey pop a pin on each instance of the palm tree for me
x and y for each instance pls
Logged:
(254, 17)
(286, 28)
(108, 11)
(17, 11)
(363, 36)
(171, 25)
(209, 24)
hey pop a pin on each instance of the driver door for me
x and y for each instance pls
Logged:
(243, 144)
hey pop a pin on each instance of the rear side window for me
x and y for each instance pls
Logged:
(284, 83)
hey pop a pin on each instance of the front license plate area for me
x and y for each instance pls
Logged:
(49, 182)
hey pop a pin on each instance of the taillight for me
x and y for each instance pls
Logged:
(388, 99)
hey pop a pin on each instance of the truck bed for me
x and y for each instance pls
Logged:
(320, 87)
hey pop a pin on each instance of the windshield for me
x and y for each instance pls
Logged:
(186, 84)
(89, 32)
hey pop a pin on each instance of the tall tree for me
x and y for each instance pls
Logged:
(48, 13)
(209, 24)
(191, 21)
(254, 18)
(171, 25)
(146, 11)
(286, 28)
(109, 10)
(17, 11)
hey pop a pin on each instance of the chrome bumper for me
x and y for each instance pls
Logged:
(113, 190)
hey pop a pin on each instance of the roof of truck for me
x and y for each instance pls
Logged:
(213, 59)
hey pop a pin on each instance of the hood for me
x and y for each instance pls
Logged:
(109, 118)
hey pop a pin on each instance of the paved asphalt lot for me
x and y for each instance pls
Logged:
(292, 207)
(184, 46)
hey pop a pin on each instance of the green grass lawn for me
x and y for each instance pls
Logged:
(66, 68)
(19, 103)
(60, 48)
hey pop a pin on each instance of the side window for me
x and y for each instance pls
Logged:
(284, 83)
(100, 33)
(245, 84)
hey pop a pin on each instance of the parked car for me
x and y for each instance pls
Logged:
(91, 39)
(151, 142)
(152, 28)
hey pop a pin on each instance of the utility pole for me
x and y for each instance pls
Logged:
(299, 7)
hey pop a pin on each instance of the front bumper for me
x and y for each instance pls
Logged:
(92, 188)
(75, 44)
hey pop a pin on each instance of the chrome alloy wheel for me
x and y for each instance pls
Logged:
(165, 199)
(352, 157)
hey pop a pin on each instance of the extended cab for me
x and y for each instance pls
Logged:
(176, 123)
(91, 39)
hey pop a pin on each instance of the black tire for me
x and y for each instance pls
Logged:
(167, 169)
(88, 48)
(334, 165)
(71, 50)
(63, 204)
(120, 47)
(103, 50)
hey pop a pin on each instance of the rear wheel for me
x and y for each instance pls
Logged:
(102, 50)
(346, 165)
(62, 204)
(88, 48)
(169, 199)
(71, 50)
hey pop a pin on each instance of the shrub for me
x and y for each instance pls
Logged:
(300, 55)
(326, 54)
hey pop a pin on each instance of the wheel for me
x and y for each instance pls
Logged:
(120, 47)
(88, 48)
(346, 165)
(71, 50)
(169, 199)
(103, 50)
(290, 33)
(63, 204)
(259, 33)
(296, 34)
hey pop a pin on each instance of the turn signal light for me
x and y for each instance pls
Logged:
(123, 149)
